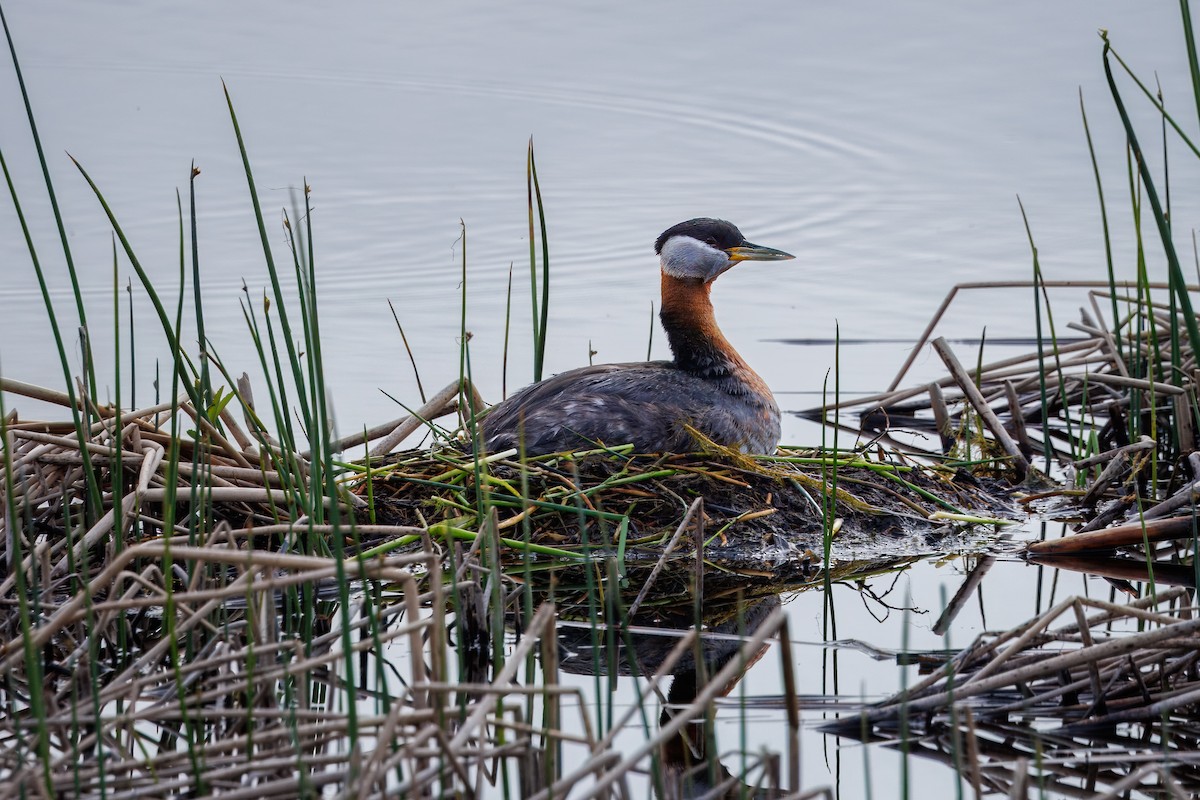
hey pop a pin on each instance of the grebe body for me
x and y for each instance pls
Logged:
(707, 386)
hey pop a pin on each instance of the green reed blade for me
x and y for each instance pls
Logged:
(543, 328)
(1108, 256)
(412, 359)
(169, 330)
(541, 299)
(1179, 285)
(95, 507)
(1189, 39)
(293, 358)
(533, 278)
(1154, 101)
(1039, 289)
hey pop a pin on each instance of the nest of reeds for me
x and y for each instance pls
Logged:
(757, 512)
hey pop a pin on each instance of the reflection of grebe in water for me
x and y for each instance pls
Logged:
(690, 765)
(691, 768)
(706, 386)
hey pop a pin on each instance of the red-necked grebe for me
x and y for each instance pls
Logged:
(649, 404)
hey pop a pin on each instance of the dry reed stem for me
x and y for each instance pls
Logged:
(982, 408)
(1144, 443)
(696, 508)
(442, 403)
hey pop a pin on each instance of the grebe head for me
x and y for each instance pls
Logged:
(703, 248)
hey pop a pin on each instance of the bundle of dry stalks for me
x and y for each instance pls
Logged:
(1112, 412)
(213, 645)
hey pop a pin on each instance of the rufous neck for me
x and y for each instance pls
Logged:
(696, 342)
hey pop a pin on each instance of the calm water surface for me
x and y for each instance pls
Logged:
(885, 144)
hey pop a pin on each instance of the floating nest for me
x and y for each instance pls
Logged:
(761, 511)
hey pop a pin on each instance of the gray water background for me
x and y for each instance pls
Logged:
(884, 144)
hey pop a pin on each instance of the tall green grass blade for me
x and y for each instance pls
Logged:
(507, 331)
(320, 430)
(533, 277)
(650, 335)
(1183, 137)
(411, 359)
(283, 456)
(201, 518)
(829, 480)
(1039, 282)
(322, 443)
(1178, 284)
(132, 344)
(197, 293)
(1189, 40)
(541, 298)
(1147, 317)
(1108, 256)
(179, 356)
(544, 326)
(979, 383)
(314, 415)
(117, 464)
(1047, 449)
(1139, 311)
(905, 733)
(193, 733)
(276, 286)
(94, 506)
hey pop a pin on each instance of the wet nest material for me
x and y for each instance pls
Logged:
(764, 511)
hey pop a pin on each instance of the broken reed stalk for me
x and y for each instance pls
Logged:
(993, 285)
(695, 511)
(981, 407)
(1117, 536)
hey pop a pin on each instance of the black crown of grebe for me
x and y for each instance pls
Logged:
(706, 386)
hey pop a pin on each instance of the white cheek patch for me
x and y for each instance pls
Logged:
(685, 257)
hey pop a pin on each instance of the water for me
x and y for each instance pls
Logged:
(885, 144)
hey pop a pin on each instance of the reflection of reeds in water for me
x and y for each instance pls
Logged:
(1089, 697)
